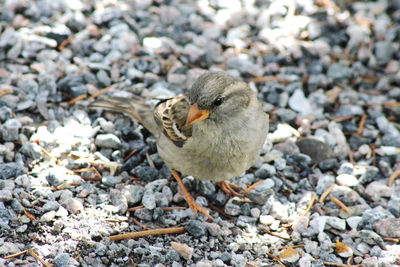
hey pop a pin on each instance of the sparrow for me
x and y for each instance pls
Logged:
(215, 132)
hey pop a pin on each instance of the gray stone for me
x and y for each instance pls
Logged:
(10, 130)
(196, 228)
(298, 102)
(111, 180)
(50, 205)
(354, 221)
(107, 141)
(133, 193)
(61, 260)
(32, 150)
(265, 171)
(384, 52)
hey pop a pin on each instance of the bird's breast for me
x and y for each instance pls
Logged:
(213, 155)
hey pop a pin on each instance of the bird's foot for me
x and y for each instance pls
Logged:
(230, 188)
(189, 199)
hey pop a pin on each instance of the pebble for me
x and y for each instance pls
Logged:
(231, 208)
(147, 173)
(183, 250)
(110, 180)
(371, 237)
(298, 102)
(196, 228)
(107, 141)
(347, 180)
(265, 171)
(10, 130)
(378, 189)
(317, 150)
(73, 205)
(50, 206)
(354, 221)
(388, 227)
(61, 259)
(133, 193)
(336, 223)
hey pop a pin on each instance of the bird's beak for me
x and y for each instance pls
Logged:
(195, 114)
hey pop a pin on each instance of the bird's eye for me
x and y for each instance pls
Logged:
(219, 101)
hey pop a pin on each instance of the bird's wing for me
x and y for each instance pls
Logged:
(171, 114)
(168, 116)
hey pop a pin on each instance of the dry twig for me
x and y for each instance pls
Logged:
(340, 204)
(141, 224)
(325, 194)
(130, 154)
(277, 259)
(161, 231)
(393, 176)
(362, 124)
(5, 92)
(76, 99)
(100, 92)
(314, 196)
(275, 234)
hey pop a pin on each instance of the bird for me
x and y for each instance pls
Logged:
(215, 132)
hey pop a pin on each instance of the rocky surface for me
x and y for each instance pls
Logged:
(328, 74)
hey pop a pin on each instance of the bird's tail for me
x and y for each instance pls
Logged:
(135, 108)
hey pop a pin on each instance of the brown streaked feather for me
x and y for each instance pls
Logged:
(171, 115)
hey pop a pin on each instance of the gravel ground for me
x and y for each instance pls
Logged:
(328, 74)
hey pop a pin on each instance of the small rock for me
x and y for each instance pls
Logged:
(48, 216)
(347, 179)
(255, 212)
(328, 164)
(370, 262)
(383, 51)
(343, 250)
(289, 255)
(300, 160)
(300, 103)
(107, 141)
(8, 248)
(346, 167)
(101, 249)
(324, 181)
(371, 238)
(312, 247)
(354, 221)
(183, 250)
(388, 227)
(339, 72)
(196, 228)
(61, 260)
(148, 174)
(305, 260)
(73, 205)
(316, 149)
(231, 208)
(32, 150)
(133, 194)
(265, 171)
(10, 130)
(378, 189)
(50, 205)
(6, 195)
(213, 228)
(111, 180)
